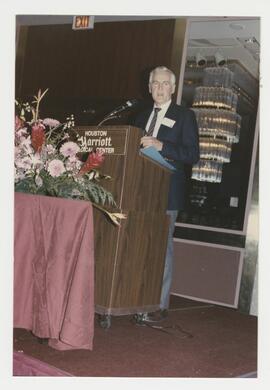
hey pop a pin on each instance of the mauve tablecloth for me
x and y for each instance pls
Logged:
(54, 270)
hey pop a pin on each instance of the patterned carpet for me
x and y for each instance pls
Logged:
(196, 341)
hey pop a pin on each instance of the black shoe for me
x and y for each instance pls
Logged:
(156, 316)
(140, 318)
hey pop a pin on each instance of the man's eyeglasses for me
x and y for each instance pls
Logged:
(162, 84)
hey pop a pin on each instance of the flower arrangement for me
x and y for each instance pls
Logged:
(47, 162)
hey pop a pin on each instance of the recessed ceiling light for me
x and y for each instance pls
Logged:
(236, 26)
(250, 40)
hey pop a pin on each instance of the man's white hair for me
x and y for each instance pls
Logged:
(163, 68)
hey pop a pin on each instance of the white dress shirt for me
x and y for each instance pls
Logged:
(161, 114)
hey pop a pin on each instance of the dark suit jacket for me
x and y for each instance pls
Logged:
(180, 146)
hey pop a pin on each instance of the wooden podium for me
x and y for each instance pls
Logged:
(129, 259)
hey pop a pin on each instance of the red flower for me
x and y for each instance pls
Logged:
(94, 160)
(18, 123)
(37, 136)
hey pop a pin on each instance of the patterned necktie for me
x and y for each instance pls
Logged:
(153, 122)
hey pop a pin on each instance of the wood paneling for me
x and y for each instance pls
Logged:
(129, 259)
(21, 44)
(129, 262)
(108, 61)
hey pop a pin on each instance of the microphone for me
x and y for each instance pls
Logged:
(115, 113)
(127, 104)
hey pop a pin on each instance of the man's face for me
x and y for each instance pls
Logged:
(161, 87)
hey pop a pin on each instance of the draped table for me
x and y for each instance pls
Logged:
(54, 270)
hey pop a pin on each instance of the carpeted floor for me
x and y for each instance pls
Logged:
(196, 340)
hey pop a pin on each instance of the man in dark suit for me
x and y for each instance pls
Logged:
(172, 130)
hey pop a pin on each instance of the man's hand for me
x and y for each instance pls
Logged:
(151, 141)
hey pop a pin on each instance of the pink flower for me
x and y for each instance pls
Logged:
(24, 163)
(73, 164)
(50, 149)
(17, 152)
(69, 149)
(20, 135)
(18, 123)
(21, 132)
(51, 122)
(56, 168)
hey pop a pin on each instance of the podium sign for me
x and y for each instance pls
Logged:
(109, 140)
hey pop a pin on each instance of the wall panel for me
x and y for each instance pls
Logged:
(207, 273)
(107, 61)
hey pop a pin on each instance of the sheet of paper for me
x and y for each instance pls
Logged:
(152, 153)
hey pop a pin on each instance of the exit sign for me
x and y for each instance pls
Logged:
(83, 22)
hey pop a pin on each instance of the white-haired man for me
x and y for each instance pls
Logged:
(172, 130)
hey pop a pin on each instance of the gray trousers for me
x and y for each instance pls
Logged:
(168, 268)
